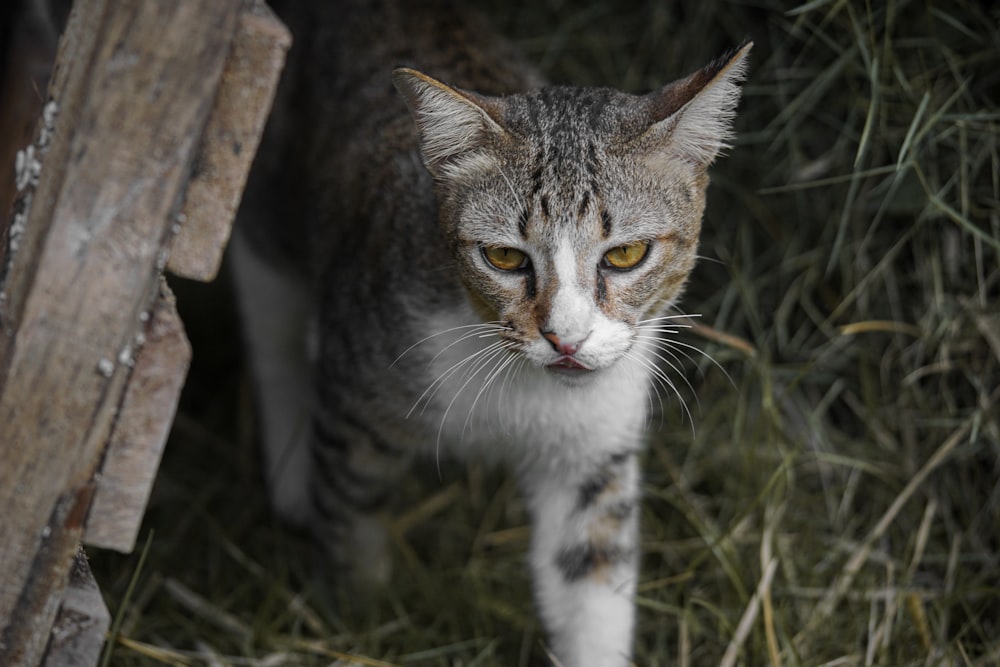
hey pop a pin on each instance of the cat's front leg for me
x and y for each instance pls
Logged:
(352, 476)
(584, 558)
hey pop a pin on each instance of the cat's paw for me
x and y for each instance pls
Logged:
(370, 561)
(356, 559)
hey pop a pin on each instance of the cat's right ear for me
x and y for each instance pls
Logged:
(453, 123)
(692, 117)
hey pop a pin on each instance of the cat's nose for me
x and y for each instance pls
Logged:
(567, 346)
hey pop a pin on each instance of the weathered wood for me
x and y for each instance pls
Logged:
(140, 432)
(82, 623)
(134, 82)
(23, 239)
(230, 142)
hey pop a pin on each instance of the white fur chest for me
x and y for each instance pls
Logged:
(495, 407)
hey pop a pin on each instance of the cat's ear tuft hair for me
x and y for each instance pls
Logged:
(692, 117)
(453, 123)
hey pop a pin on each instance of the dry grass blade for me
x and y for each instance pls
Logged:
(160, 655)
(743, 628)
(716, 336)
(850, 570)
(207, 610)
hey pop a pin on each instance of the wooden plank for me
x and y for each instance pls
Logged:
(162, 356)
(132, 101)
(230, 142)
(82, 622)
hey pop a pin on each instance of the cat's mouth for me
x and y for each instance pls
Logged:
(569, 365)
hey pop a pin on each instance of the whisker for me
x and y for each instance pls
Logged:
(428, 394)
(664, 318)
(655, 351)
(671, 329)
(498, 368)
(507, 381)
(495, 349)
(658, 347)
(666, 382)
(659, 343)
(649, 394)
(464, 337)
(676, 345)
(664, 343)
(471, 364)
(485, 326)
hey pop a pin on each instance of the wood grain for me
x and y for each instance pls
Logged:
(162, 355)
(229, 143)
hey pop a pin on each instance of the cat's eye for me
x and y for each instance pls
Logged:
(626, 256)
(506, 259)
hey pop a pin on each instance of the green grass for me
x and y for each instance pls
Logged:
(836, 500)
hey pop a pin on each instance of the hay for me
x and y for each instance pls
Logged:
(836, 501)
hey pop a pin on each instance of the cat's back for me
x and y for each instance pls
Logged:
(353, 45)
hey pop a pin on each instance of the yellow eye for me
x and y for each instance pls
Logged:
(506, 259)
(626, 256)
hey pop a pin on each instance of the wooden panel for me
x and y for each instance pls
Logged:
(133, 85)
(230, 143)
(141, 430)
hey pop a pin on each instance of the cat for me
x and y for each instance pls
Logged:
(479, 269)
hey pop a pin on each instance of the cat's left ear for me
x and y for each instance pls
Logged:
(692, 117)
(453, 123)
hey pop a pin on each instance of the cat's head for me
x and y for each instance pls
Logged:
(574, 213)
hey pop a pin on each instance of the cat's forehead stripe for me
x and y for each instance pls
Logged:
(563, 173)
(581, 211)
(538, 175)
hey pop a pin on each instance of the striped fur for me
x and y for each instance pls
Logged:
(384, 200)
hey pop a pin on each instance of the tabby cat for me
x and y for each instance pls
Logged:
(424, 269)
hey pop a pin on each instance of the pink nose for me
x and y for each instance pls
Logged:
(568, 348)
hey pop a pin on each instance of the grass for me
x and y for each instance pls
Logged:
(835, 501)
